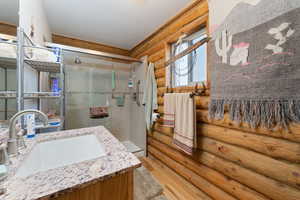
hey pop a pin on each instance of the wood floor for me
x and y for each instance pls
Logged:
(175, 187)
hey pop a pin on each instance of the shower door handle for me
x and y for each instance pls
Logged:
(138, 93)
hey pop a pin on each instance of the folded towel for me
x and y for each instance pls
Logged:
(169, 110)
(8, 50)
(43, 55)
(185, 135)
(99, 112)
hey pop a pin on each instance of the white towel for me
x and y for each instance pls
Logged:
(180, 114)
(43, 55)
(169, 110)
(150, 96)
(8, 50)
(185, 134)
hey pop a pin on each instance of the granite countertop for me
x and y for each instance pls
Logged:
(47, 184)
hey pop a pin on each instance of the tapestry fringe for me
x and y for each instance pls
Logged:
(266, 113)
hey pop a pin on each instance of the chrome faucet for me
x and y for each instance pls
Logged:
(12, 145)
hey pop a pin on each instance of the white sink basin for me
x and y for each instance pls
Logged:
(57, 153)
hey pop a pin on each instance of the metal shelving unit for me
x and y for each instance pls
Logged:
(22, 44)
(42, 66)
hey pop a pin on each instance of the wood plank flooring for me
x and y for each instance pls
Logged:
(175, 187)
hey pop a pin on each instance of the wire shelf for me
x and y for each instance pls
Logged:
(8, 94)
(44, 66)
(8, 63)
(34, 95)
(42, 95)
(52, 123)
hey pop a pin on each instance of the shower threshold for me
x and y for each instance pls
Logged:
(131, 147)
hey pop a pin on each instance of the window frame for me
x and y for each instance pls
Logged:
(170, 53)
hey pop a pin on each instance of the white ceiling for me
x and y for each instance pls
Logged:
(9, 11)
(120, 23)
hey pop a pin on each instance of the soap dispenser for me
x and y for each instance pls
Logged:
(30, 121)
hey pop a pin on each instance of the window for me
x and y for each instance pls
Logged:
(190, 69)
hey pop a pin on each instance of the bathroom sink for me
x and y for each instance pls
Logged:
(57, 153)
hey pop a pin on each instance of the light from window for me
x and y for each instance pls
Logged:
(191, 68)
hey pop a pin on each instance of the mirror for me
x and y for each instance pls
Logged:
(9, 19)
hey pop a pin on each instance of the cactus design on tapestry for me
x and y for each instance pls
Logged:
(278, 34)
(226, 45)
(255, 64)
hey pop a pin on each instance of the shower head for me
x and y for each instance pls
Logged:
(77, 60)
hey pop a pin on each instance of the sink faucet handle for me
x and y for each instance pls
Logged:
(20, 139)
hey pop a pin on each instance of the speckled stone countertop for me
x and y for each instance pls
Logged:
(47, 184)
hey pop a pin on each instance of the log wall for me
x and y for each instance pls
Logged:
(233, 161)
(8, 29)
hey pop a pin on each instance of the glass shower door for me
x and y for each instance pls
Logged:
(86, 87)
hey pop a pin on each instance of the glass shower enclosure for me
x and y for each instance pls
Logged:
(96, 82)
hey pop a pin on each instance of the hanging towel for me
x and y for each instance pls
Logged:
(169, 110)
(150, 96)
(185, 135)
(120, 101)
(113, 80)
